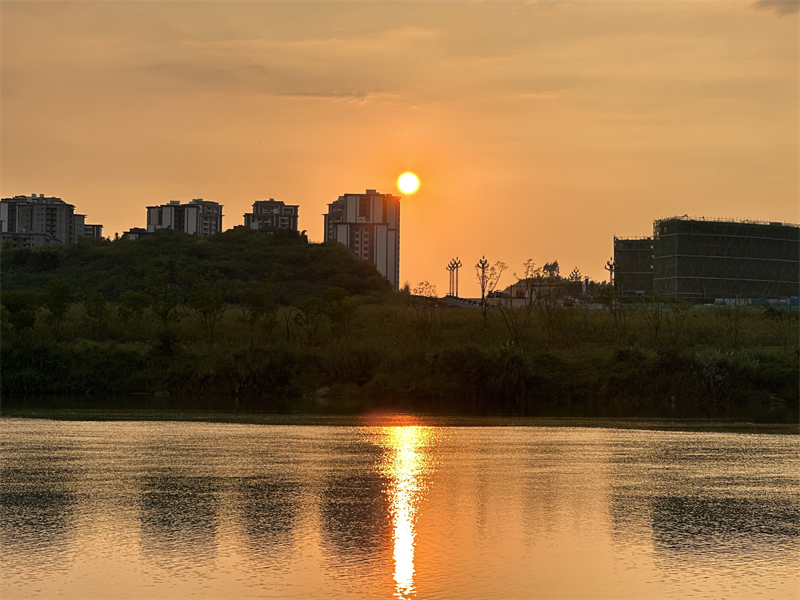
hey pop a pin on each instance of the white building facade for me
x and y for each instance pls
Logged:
(369, 225)
(271, 214)
(39, 220)
(199, 217)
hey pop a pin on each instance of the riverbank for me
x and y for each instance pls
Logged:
(349, 378)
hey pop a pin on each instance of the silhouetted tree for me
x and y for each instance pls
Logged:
(488, 279)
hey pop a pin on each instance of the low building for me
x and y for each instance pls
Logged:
(540, 289)
(33, 240)
(271, 214)
(136, 233)
(93, 231)
(40, 220)
(198, 217)
(369, 225)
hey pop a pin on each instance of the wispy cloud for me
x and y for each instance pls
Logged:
(780, 7)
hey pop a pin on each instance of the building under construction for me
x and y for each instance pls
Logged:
(633, 268)
(697, 258)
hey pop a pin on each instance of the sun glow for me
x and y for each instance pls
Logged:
(408, 183)
(405, 464)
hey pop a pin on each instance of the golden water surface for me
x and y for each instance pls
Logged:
(397, 507)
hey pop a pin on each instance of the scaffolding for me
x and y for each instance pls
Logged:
(716, 258)
(633, 265)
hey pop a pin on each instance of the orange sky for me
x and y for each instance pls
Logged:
(538, 129)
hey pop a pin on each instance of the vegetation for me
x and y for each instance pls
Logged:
(170, 264)
(210, 318)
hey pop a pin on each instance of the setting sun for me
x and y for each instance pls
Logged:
(408, 183)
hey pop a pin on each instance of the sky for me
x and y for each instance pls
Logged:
(539, 130)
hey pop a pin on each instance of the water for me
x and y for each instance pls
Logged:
(395, 508)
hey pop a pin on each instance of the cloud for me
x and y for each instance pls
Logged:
(780, 7)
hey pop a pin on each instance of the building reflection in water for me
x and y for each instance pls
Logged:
(405, 463)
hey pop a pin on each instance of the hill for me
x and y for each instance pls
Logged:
(292, 267)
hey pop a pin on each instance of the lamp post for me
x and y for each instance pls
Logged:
(453, 266)
(450, 267)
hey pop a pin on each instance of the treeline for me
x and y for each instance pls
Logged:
(338, 350)
(293, 268)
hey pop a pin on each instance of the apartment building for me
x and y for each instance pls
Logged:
(198, 217)
(369, 225)
(39, 220)
(271, 214)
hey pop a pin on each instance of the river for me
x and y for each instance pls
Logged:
(395, 507)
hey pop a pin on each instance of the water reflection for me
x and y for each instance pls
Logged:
(38, 505)
(353, 512)
(178, 518)
(269, 507)
(405, 462)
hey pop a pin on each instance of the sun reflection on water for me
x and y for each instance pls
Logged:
(405, 463)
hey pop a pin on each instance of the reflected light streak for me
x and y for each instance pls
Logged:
(405, 463)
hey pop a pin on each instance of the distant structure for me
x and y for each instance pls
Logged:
(199, 217)
(136, 233)
(633, 258)
(369, 225)
(93, 231)
(453, 266)
(696, 258)
(271, 214)
(37, 220)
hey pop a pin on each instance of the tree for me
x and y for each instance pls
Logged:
(552, 269)
(257, 305)
(676, 319)
(340, 308)
(96, 314)
(163, 294)
(732, 316)
(57, 300)
(609, 297)
(131, 306)
(209, 304)
(21, 307)
(513, 319)
(654, 311)
(309, 318)
(575, 274)
(427, 309)
(529, 283)
(784, 322)
(488, 278)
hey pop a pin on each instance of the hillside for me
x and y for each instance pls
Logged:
(292, 267)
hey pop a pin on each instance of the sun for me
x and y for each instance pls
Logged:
(408, 183)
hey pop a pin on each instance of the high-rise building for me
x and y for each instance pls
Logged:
(369, 225)
(37, 220)
(271, 214)
(199, 217)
